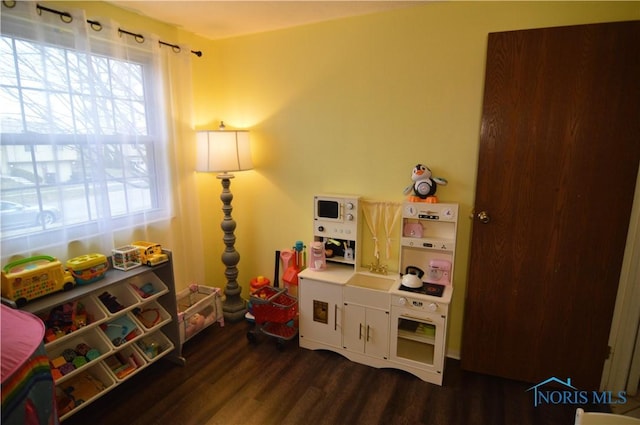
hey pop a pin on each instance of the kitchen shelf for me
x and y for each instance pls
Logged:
(413, 350)
(416, 336)
(417, 331)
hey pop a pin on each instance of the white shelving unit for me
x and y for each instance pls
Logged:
(439, 224)
(124, 341)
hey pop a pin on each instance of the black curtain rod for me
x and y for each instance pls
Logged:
(97, 26)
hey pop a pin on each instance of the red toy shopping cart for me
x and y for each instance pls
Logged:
(275, 313)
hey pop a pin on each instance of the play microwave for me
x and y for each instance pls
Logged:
(338, 209)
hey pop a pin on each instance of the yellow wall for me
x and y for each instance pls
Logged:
(350, 106)
(346, 106)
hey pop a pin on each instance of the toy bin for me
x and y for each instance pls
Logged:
(88, 268)
(151, 315)
(147, 286)
(63, 320)
(126, 258)
(154, 345)
(125, 362)
(118, 298)
(82, 390)
(121, 331)
(70, 356)
(198, 307)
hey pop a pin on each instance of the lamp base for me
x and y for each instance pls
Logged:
(233, 306)
(234, 312)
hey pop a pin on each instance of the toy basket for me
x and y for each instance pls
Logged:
(276, 307)
(275, 313)
(88, 268)
(265, 294)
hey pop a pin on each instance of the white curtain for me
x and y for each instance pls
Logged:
(389, 214)
(91, 119)
(371, 212)
(391, 219)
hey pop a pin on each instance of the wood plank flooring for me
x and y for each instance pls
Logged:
(229, 381)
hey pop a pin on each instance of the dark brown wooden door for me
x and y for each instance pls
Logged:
(559, 153)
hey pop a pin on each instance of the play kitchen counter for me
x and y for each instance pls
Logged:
(368, 319)
(386, 321)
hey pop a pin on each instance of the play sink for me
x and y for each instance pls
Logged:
(371, 281)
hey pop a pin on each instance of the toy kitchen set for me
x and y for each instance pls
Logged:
(361, 311)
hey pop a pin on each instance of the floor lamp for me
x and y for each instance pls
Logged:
(225, 151)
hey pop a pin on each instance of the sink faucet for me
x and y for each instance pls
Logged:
(376, 267)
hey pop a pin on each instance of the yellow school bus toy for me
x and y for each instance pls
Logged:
(150, 253)
(34, 277)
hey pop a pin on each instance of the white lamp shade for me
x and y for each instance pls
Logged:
(223, 151)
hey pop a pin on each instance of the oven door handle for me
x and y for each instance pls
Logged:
(424, 319)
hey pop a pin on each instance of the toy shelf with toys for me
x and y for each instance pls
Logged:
(101, 334)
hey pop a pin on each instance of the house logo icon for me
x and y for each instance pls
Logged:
(563, 392)
(540, 395)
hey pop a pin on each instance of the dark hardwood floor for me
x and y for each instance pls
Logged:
(227, 381)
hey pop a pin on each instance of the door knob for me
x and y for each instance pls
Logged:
(483, 216)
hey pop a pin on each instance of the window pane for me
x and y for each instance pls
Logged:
(104, 109)
(78, 206)
(24, 209)
(10, 115)
(36, 111)
(61, 113)
(7, 64)
(56, 69)
(79, 73)
(75, 146)
(30, 64)
(83, 107)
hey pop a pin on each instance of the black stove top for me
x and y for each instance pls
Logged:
(432, 289)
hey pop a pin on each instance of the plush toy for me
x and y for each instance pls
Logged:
(424, 186)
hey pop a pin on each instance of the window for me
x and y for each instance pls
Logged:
(81, 143)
